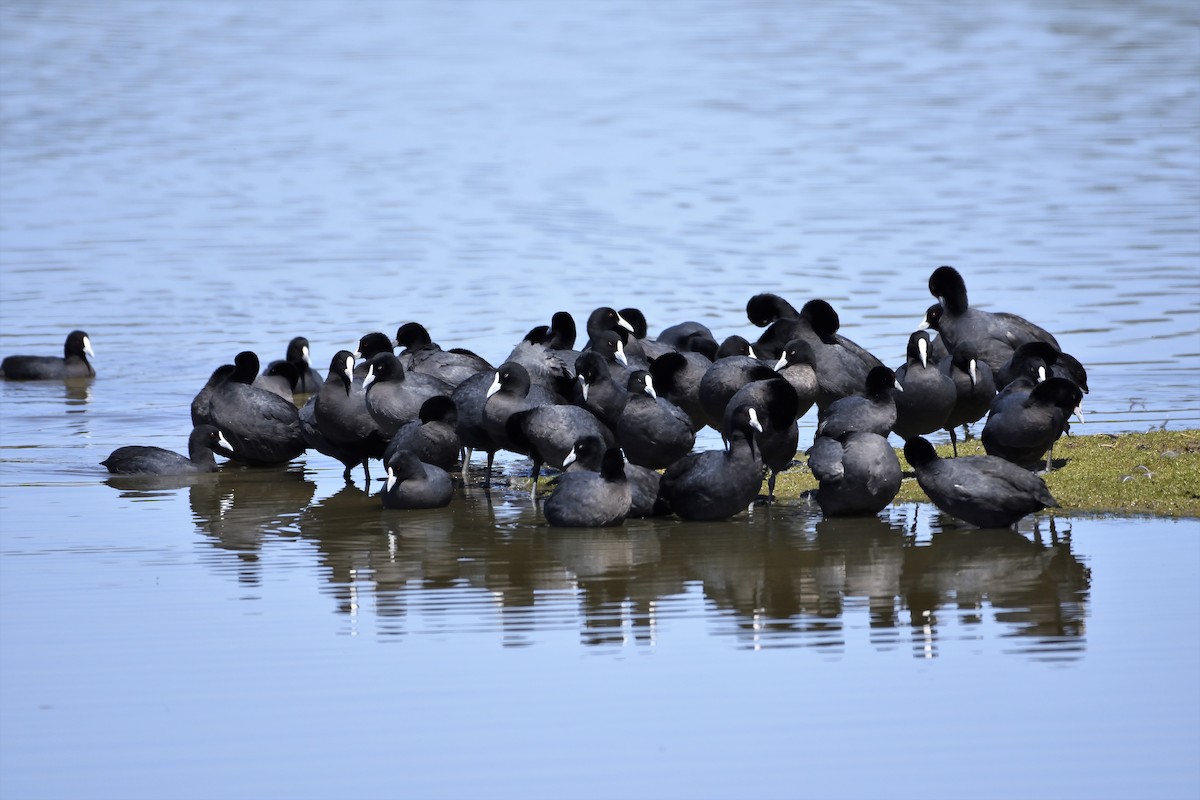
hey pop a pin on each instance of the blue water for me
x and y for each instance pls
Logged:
(186, 180)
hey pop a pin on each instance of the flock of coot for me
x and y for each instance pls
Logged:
(619, 415)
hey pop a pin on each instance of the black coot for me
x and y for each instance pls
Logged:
(598, 392)
(411, 483)
(586, 499)
(735, 365)
(202, 402)
(776, 403)
(985, 491)
(858, 473)
(335, 420)
(422, 354)
(652, 431)
(677, 377)
(369, 346)
(997, 333)
(543, 364)
(73, 364)
(715, 484)
(795, 366)
(547, 433)
(1027, 419)
(308, 379)
(280, 378)
(433, 436)
(469, 398)
(974, 388)
(263, 428)
(610, 347)
(875, 411)
(643, 482)
(394, 396)
(929, 392)
(142, 460)
(1039, 361)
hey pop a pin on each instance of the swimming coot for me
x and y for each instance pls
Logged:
(143, 460)
(73, 364)
(411, 483)
(643, 482)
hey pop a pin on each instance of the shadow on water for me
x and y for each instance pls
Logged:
(778, 576)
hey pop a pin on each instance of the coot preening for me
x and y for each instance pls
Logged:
(433, 436)
(858, 473)
(422, 354)
(1027, 419)
(263, 428)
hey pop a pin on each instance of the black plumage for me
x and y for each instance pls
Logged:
(73, 364)
(858, 473)
(985, 491)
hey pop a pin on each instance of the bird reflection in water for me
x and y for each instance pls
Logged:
(785, 577)
(238, 509)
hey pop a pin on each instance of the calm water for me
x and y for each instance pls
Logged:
(185, 180)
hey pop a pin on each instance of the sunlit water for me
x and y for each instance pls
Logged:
(187, 180)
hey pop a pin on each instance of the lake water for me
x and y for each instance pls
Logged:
(185, 180)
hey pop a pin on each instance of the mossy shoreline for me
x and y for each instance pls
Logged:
(1155, 473)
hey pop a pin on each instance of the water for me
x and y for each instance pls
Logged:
(187, 180)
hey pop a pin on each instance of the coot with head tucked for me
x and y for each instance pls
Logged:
(858, 472)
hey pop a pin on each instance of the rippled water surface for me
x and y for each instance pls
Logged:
(185, 180)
